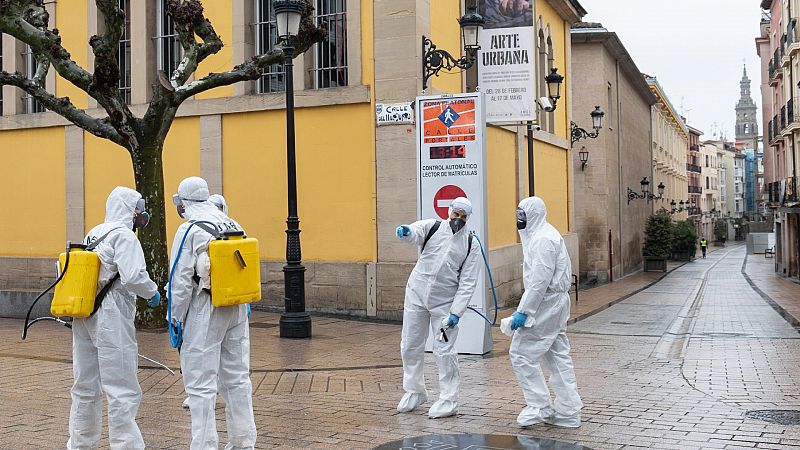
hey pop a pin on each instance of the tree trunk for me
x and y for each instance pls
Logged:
(149, 175)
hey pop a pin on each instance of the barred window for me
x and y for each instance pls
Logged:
(31, 105)
(168, 47)
(124, 53)
(266, 34)
(330, 55)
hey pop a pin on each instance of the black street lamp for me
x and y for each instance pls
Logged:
(295, 322)
(554, 80)
(434, 60)
(646, 194)
(577, 133)
(584, 156)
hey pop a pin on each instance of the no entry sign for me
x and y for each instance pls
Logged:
(443, 198)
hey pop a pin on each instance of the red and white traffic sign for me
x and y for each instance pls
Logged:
(443, 197)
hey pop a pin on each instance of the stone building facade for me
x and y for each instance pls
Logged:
(610, 228)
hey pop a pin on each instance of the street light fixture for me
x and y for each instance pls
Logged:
(646, 194)
(584, 156)
(295, 322)
(577, 133)
(434, 60)
(554, 80)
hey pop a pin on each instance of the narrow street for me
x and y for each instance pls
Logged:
(683, 364)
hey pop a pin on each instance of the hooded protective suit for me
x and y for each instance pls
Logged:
(219, 201)
(547, 277)
(104, 345)
(436, 288)
(216, 341)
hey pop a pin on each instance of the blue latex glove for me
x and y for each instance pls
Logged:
(403, 230)
(452, 321)
(177, 331)
(154, 300)
(248, 309)
(518, 319)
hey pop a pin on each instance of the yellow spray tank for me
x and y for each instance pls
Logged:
(75, 293)
(235, 269)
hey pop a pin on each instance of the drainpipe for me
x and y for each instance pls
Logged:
(794, 154)
(619, 163)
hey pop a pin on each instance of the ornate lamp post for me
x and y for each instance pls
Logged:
(434, 60)
(646, 194)
(577, 133)
(295, 322)
(554, 80)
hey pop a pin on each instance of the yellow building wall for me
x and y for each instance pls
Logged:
(72, 23)
(107, 166)
(446, 34)
(367, 45)
(335, 180)
(32, 175)
(220, 13)
(551, 172)
(501, 149)
(559, 34)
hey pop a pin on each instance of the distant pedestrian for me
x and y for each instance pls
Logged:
(703, 246)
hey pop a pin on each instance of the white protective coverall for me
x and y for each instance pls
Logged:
(435, 289)
(104, 347)
(219, 201)
(547, 276)
(216, 341)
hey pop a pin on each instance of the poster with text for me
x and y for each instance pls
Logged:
(506, 58)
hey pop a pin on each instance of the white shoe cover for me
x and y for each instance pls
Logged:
(186, 403)
(410, 401)
(532, 415)
(443, 408)
(560, 420)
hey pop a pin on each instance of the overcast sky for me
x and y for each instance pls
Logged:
(695, 48)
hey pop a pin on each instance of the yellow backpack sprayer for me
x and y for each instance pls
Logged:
(235, 271)
(76, 293)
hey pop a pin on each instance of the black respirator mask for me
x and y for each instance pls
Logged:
(522, 219)
(457, 224)
(142, 218)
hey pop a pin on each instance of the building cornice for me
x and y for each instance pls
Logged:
(569, 10)
(667, 105)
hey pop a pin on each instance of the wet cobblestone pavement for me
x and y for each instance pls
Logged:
(678, 365)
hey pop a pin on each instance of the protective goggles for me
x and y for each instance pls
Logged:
(178, 201)
(140, 205)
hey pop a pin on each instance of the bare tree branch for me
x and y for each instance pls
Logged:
(42, 67)
(62, 106)
(190, 22)
(309, 35)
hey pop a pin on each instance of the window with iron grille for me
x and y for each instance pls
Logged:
(168, 47)
(330, 55)
(124, 53)
(266, 34)
(31, 105)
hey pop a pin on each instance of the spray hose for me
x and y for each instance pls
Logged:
(175, 334)
(28, 323)
(491, 282)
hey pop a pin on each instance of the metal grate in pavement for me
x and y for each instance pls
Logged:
(779, 416)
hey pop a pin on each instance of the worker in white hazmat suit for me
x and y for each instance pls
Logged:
(547, 277)
(437, 295)
(219, 201)
(104, 349)
(215, 353)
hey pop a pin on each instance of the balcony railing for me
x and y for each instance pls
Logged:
(695, 190)
(783, 119)
(693, 168)
(694, 148)
(770, 136)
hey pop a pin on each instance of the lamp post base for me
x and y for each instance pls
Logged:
(295, 325)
